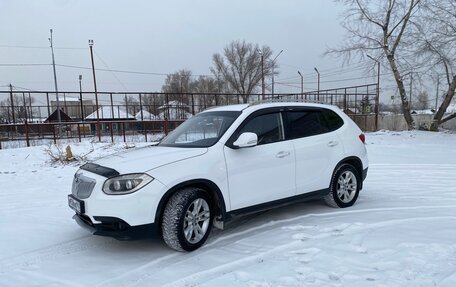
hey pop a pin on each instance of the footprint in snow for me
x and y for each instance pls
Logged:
(304, 255)
(297, 227)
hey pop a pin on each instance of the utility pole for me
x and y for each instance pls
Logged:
(411, 88)
(377, 97)
(55, 84)
(12, 103)
(25, 120)
(302, 83)
(273, 64)
(95, 87)
(263, 88)
(318, 82)
(80, 97)
(437, 93)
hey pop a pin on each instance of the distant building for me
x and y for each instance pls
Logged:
(72, 106)
(174, 110)
(110, 114)
(54, 117)
(145, 115)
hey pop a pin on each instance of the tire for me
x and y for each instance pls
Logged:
(187, 219)
(344, 188)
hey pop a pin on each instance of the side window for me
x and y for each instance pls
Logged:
(305, 124)
(331, 120)
(268, 128)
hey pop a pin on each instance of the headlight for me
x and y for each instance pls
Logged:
(126, 183)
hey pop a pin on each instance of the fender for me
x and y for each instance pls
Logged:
(356, 163)
(214, 193)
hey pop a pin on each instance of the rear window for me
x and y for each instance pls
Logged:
(312, 122)
(331, 120)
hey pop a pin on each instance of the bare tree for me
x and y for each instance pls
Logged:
(131, 104)
(151, 102)
(209, 91)
(435, 44)
(380, 29)
(240, 66)
(178, 82)
(422, 101)
(21, 108)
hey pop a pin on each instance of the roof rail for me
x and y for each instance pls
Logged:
(282, 100)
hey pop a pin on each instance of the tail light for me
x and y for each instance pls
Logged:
(362, 138)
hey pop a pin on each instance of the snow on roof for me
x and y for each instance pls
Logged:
(173, 105)
(67, 98)
(106, 113)
(174, 114)
(145, 115)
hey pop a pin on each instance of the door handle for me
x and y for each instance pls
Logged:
(283, 154)
(332, 143)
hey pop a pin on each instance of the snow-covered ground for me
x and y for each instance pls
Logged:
(401, 232)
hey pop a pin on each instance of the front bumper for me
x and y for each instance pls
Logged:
(116, 228)
(135, 209)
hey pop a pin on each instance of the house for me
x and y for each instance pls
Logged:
(145, 115)
(54, 117)
(110, 114)
(72, 106)
(174, 110)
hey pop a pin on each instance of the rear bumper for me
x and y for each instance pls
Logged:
(116, 228)
(365, 173)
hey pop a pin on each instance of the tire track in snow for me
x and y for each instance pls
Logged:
(52, 253)
(50, 279)
(142, 273)
(206, 275)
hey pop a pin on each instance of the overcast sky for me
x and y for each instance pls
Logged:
(163, 37)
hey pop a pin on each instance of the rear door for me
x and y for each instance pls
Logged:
(317, 146)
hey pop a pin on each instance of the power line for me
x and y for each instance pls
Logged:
(41, 47)
(23, 64)
(114, 74)
(341, 80)
(345, 68)
(125, 71)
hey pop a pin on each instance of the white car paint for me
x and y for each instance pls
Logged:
(245, 177)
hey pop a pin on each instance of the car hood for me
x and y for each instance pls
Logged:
(147, 158)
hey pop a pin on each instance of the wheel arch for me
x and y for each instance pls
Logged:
(209, 186)
(356, 163)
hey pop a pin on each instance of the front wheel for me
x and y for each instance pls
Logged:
(187, 219)
(344, 188)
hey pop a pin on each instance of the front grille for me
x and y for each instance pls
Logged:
(82, 186)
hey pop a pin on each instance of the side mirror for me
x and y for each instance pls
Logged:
(246, 140)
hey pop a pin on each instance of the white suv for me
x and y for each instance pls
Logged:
(220, 163)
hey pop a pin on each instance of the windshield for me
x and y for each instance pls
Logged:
(202, 130)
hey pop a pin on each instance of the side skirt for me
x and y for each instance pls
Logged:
(276, 203)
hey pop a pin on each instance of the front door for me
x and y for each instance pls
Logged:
(265, 172)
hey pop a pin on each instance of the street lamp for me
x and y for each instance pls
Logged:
(273, 64)
(262, 73)
(377, 96)
(95, 89)
(318, 81)
(302, 83)
(80, 97)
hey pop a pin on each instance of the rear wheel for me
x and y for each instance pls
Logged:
(344, 188)
(187, 219)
